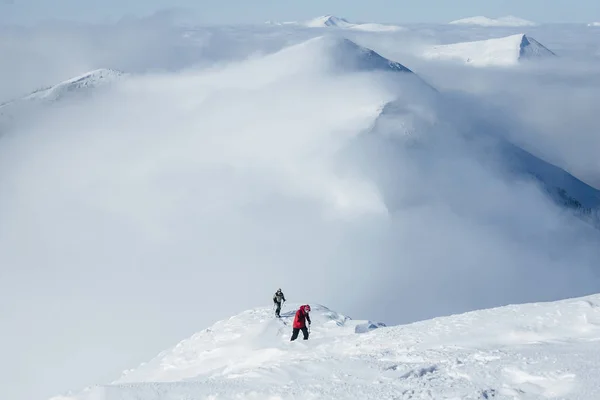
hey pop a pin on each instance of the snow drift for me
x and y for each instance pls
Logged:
(505, 51)
(508, 21)
(534, 351)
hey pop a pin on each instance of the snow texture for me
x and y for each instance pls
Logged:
(505, 51)
(508, 21)
(528, 351)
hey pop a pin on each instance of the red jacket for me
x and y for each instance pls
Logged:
(301, 318)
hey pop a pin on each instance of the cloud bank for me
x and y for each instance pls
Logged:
(139, 215)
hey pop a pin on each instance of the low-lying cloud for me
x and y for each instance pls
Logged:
(135, 217)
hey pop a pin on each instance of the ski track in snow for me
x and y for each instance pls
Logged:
(531, 351)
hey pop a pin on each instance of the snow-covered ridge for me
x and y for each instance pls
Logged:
(88, 80)
(505, 51)
(83, 85)
(240, 342)
(528, 351)
(508, 21)
(330, 21)
(80, 84)
(339, 54)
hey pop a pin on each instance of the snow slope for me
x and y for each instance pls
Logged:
(528, 351)
(505, 51)
(508, 21)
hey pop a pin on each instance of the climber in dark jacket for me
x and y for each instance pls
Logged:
(278, 299)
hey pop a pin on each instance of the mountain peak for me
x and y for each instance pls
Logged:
(530, 47)
(342, 53)
(328, 21)
(508, 21)
(504, 51)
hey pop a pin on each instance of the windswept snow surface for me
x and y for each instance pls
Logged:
(528, 351)
(508, 21)
(505, 51)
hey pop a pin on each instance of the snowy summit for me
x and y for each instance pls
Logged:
(505, 51)
(331, 21)
(328, 21)
(529, 351)
(336, 54)
(507, 21)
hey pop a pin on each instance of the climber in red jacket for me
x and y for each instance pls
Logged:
(300, 322)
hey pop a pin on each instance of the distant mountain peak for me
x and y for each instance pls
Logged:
(509, 20)
(331, 21)
(328, 20)
(504, 51)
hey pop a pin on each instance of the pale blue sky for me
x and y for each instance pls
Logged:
(235, 11)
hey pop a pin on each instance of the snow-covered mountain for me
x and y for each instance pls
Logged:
(85, 82)
(505, 51)
(328, 21)
(508, 21)
(527, 351)
(338, 54)
(331, 21)
(594, 24)
(82, 85)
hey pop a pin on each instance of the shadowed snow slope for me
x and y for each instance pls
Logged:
(485, 21)
(529, 351)
(504, 51)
